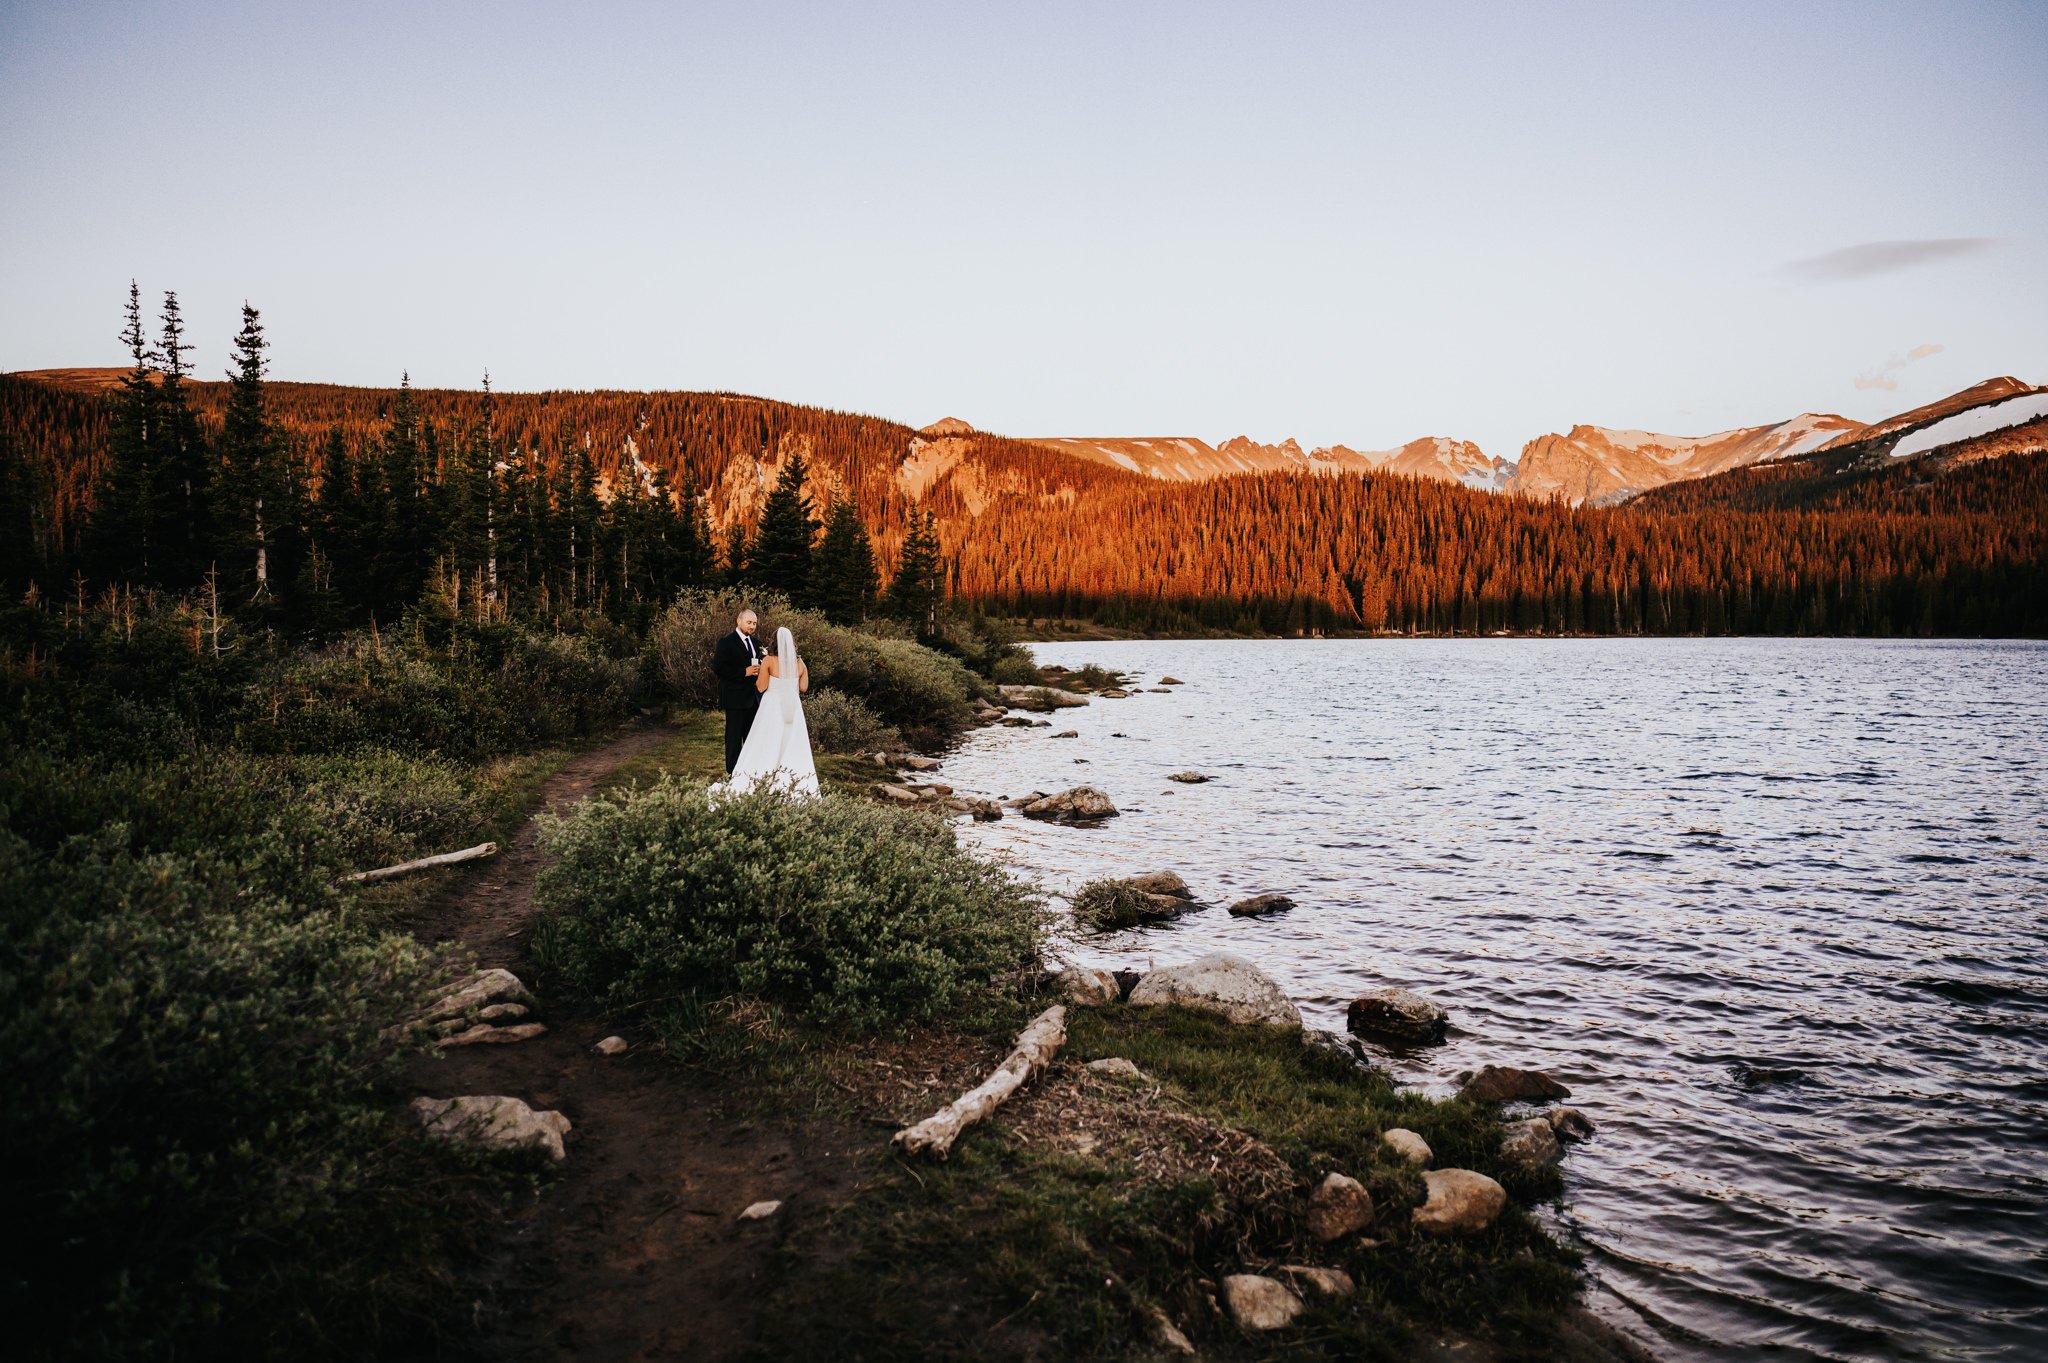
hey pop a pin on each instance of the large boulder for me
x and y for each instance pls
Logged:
(1459, 1200)
(1339, 1206)
(1080, 803)
(1531, 1144)
(1227, 985)
(1506, 1084)
(1260, 1303)
(1396, 1015)
(493, 1123)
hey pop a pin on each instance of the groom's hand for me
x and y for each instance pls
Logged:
(754, 670)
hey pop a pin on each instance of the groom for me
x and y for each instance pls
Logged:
(737, 662)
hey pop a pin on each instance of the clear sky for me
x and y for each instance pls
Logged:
(1349, 222)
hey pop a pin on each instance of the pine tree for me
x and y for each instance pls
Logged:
(919, 584)
(182, 469)
(252, 472)
(403, 538)
(471, 496)
(844, 570)
(737, 562)
(126, 529)
(20, 490)
(781, 559)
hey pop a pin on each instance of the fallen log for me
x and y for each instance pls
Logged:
(482, 849)
(1036, 1045)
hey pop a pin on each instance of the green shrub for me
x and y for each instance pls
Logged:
(919, 690)
(1017, 670)
(1106, 905)
(836, 909)
(202, 1158)
(840, 723)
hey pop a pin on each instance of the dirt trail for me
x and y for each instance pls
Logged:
(633, 1251)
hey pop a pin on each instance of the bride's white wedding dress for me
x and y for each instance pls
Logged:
(778, 746)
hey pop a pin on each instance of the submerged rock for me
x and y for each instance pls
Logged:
(1397, 1015)
(1189, 778)
(493, 1123)
(1569, 1121)
(1227, 985)
(1459, 1200)
(1261, 904)
(1171, 681)
(1162, 882)
(1260, 1303)
(1339, 1206)
(1067, 733)
(1506, 1084)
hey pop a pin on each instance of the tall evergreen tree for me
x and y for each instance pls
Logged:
(253, 481)
(126, 530)
(471, 495)
(403, 543)
(183, 467)
(844, 570)
(20, 496)
(919, 584)
(737, 565)
(781, 559)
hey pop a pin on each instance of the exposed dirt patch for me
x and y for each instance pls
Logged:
(633, 1250)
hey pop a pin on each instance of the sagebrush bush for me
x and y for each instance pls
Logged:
(201, 1153)
(1105, 905)
(839, 910)
(840, 723)
(1017, 670)
(924, 693)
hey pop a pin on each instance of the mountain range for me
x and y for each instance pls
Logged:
(1587, 464)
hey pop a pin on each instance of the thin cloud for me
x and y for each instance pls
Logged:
(1881, 377)
(1875, 258)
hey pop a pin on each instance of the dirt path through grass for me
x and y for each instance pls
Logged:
(633, 1250)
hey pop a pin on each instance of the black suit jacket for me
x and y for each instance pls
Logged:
(736, 689)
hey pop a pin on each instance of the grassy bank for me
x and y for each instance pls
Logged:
(1087, 1207)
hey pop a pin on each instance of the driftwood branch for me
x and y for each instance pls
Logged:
(482, 849)
(1037, 1044)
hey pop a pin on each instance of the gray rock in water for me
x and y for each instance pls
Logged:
(1116, 1067)
(1261, 904)
(1188, 778)
(1396, 1015)
(1531, 1144)
(1339, 1206)
(1459, 1200)
(916, 763)
(493, 1123)
(1260, 1303)
(1087, 987)
(1229, 986)
(1080, 803)
(1506, 1084)
(1408, 1145)
(1171, 681)
(1161, 882)
(1569, 1121)
(1068, 733)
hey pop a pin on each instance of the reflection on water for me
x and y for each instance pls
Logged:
(1774, 909)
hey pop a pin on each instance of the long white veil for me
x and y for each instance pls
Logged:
(782, 688)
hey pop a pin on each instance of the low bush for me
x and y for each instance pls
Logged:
(1017, 670)
(202, 1158)
(835, 909)
(1106, 905)
(840, 723)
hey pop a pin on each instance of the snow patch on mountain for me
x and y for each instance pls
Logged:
(1971, 423)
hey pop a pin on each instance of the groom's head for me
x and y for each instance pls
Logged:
(746, 620)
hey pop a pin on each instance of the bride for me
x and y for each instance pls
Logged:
(778, 746)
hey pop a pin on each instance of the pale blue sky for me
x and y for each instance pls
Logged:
(1344, 222)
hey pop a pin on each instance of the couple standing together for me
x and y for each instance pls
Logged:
(766, 738)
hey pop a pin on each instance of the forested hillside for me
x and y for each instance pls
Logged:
(325, 506)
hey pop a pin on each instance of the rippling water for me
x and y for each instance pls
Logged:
(1773, 909)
